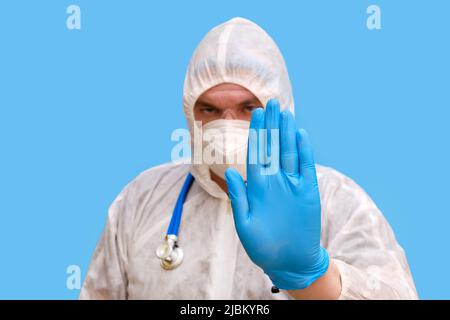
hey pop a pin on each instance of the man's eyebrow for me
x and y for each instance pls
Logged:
(250, 101)
(204, 104)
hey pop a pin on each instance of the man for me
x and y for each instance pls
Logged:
(305, 229)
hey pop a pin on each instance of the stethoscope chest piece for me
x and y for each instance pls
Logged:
(169, 253)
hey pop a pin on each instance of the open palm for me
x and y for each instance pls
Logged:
(277, 214)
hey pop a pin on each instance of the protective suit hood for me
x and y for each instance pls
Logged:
(240, 52)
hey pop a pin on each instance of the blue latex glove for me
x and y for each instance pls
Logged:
(277, 216)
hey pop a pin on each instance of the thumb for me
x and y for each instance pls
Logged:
(237, 191)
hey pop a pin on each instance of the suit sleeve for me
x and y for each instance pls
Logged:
(106, 278)
(363, 246)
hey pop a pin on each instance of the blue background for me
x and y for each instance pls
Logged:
(82, 112)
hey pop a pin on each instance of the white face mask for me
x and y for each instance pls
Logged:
(224, 146)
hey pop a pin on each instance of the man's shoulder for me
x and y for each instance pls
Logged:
(148, 187)
(328, 172)
(163, 170)
(162, 178)
(336, 186)
(329, 176)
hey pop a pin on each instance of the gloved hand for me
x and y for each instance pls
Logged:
(277, 215)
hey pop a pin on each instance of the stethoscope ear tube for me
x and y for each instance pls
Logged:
(169, 252)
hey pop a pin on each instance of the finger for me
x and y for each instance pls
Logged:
(289, 154)
(237, 192)
(272, 125)
(254, 164)
(306, 158)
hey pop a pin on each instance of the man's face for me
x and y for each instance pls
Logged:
(225, 101)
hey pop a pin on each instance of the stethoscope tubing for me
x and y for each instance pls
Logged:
(178, 210)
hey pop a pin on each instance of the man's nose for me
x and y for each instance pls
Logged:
(229, 115)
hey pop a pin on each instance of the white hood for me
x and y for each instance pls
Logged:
(240, 52)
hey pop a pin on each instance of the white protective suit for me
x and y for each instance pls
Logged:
(354, 232)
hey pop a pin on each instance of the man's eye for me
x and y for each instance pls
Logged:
(208, 110)
(250, 108)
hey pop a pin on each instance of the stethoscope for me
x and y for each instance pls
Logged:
(169, 252)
